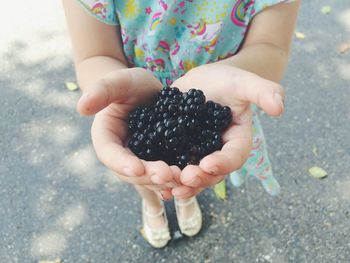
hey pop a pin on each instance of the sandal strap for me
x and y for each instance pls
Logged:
(187, 203)
(149, 215)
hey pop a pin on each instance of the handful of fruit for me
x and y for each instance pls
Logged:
(178, 128)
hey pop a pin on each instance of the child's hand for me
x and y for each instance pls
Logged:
(111, 99)
(236, 88)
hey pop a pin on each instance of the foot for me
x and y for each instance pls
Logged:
(189, 216)
(155, 227)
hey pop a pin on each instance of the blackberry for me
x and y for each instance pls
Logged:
(178, 128)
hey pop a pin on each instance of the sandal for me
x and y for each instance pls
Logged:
(192, 225)
(157, 237)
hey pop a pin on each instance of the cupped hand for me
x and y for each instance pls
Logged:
(111, 99)
(237, 89)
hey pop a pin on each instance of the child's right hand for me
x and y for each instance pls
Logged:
(111, 99)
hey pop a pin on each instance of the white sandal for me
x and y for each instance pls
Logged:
(157, 237)
(190, 226)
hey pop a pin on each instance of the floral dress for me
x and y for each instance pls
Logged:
(169, 37)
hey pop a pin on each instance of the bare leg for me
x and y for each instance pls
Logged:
(189, 216)
(153, 206)
(185, 208)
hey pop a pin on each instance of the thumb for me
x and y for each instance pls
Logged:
(268, 95)
(128, 86)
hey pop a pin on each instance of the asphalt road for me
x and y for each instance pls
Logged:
(57, 201)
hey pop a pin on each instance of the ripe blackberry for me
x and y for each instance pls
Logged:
(178, 128)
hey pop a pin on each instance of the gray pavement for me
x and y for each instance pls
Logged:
(57, 201)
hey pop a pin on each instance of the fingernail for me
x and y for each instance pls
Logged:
(279, 100)
(127, 171)
(213, 170)
(81, 102)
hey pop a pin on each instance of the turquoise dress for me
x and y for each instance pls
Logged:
(169, 37)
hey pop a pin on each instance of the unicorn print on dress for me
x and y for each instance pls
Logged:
(239, 12)
(163, 5)
(99, 9)
(205, 34)
(157, 18)
(256, 144)
(164, 47)
(181, 7)
(155, 64)
(176, 48)
(125, 37)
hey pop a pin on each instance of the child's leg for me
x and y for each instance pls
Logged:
(153, 206)
(258, 163)
(185, 208)
(189, 216)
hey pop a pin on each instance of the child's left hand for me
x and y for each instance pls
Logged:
(236, 88)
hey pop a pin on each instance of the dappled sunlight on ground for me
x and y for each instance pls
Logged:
(73, 217)
(48, 244)
(83, 164)
(112, 182)
(344, 18)
(47, 202)
(55, 240)
(28, 20)
(31, 79)
(344, 70)
(60, 133)
(343, 190)
(46, 45)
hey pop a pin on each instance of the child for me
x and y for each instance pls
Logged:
(125, 51)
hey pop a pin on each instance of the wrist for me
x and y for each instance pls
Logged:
(263, 59)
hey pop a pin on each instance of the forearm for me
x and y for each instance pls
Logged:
(266, 60)
(92, 69)
(97, 47)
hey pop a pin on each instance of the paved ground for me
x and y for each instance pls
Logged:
(57, 201)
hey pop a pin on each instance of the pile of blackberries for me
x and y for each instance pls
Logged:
(178, 128)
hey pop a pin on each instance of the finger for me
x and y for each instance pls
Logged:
(166, 194)
(182, 192)
(160, 172)
(152, 169)
(194, 177)
(191, 176)
(122, 86)
(235, 151)
(249, 87)
(185, 192)
(156, 188)
(111, 152)
(177, 174)
(136, 180)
